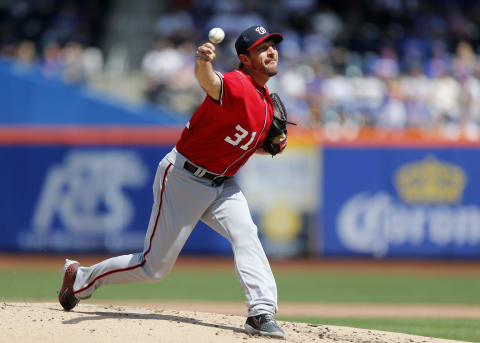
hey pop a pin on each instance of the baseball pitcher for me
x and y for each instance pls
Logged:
(195, 181)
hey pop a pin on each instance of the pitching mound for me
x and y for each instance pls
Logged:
(47, 322)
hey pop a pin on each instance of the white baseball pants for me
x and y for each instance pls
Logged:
(180, 200)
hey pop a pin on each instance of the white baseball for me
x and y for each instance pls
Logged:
(216, 35)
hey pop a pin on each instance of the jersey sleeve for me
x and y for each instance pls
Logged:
(231, 88)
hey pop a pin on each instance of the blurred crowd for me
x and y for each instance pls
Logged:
(61, 38)
(369, 63)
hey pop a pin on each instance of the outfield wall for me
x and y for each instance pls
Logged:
(401, 202)
(88, 189)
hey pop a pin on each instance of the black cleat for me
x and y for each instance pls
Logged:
(264, 325)
(66, 297)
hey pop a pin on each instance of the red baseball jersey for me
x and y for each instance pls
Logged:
(222, 135)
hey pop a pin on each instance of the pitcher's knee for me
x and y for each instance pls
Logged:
(156, 271)
(245, 237)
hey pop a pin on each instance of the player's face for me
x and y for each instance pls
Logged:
(264, 58)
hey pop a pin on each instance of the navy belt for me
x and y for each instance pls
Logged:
(199, 172)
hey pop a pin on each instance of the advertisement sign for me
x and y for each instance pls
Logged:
(282, 196)
(83, 199)
(401, 202)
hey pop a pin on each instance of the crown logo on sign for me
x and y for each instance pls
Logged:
(261, 30)
(430, 181)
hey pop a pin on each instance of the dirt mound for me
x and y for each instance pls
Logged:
(47, 322)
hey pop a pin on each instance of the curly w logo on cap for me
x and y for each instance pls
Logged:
(261, 30)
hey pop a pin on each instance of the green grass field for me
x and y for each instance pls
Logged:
(224, 286)
(26, 285)
(456, 329)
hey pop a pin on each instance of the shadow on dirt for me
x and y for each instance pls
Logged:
(101, 315)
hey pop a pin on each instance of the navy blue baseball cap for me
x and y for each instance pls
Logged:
(253, 36)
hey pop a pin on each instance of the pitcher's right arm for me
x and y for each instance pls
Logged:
(206, 77)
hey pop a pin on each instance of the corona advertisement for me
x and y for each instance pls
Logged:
(401, 202)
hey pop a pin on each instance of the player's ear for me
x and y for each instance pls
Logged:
(244, 59)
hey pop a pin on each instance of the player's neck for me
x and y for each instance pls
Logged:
(258, 77)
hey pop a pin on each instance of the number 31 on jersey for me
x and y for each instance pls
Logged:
(239, 136)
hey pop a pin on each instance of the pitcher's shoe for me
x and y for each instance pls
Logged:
(265, 325)
(67, 299)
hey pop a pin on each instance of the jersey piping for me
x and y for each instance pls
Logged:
(220, 76)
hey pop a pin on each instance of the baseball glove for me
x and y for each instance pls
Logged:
(277, 127)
